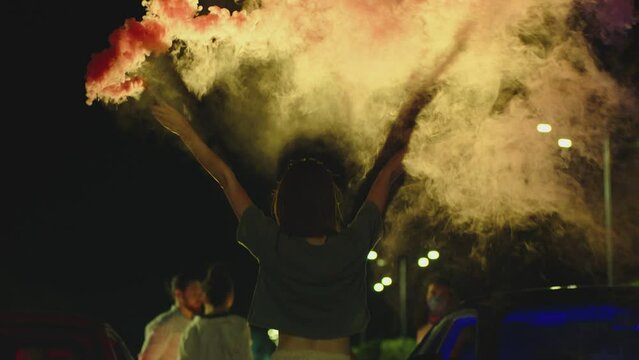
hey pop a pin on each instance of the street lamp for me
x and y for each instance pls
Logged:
(544, 128)
(567, 143)
(423, 262)
(274, 335)
(564, 143)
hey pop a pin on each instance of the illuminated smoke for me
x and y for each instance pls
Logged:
(107, 77)
(291, 69)
(110, 74)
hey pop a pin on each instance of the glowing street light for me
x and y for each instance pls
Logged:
(544, 128)
(372, 255)
(564, 143)
(433, 254)
(273, 334)
(378, 287)
(386, 281)
(423, 262)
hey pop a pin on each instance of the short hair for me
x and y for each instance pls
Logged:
(218, 284)
(306, 201)
(439, 280)
(181, 281)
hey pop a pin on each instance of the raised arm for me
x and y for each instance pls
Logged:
(423, 89)
(381, 188)
(175, 122)
(402, 128)
(388, 165)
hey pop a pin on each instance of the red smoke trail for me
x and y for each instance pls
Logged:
(107, 77)
(110, 72)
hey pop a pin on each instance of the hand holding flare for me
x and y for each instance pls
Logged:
(171, 119)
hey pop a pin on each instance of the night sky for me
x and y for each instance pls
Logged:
(100, 213)
(102, 209)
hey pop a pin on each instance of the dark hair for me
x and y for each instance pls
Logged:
(217, 284)
(438, 280)
(306, 202)
(181, 281)
(422, 311)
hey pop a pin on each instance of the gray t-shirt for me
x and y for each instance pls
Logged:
(312, 291)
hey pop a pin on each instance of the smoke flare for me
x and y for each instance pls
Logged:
(291, 69)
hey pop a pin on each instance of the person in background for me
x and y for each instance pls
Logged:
(162, 334)
(217, 334)
(439, 301)
(311, 283)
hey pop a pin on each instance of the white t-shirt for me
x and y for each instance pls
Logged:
(216, 336)
(162, 336)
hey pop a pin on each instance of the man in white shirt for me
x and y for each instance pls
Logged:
(162, 334)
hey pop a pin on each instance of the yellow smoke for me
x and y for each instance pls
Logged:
(307, 68)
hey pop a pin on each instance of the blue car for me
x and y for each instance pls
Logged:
(557, 323)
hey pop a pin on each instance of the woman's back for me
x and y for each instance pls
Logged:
(307, 292)
(311, 291)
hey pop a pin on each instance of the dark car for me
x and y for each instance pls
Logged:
(557, 323)
(29, 336)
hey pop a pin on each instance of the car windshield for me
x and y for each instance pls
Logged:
(585, 332)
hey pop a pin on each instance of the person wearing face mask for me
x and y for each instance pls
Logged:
(439, 301)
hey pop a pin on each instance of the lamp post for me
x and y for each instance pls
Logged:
(607, 192)
(608, 210)
(402, 297)
(402, 273)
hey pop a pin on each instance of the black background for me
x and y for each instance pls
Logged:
(100, 214)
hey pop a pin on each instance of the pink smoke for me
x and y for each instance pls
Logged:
(610, 19)
(615, 17)
(109, 73)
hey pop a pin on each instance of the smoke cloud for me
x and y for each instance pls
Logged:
(287, 70)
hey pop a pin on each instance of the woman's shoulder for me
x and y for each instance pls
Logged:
(254, 216)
